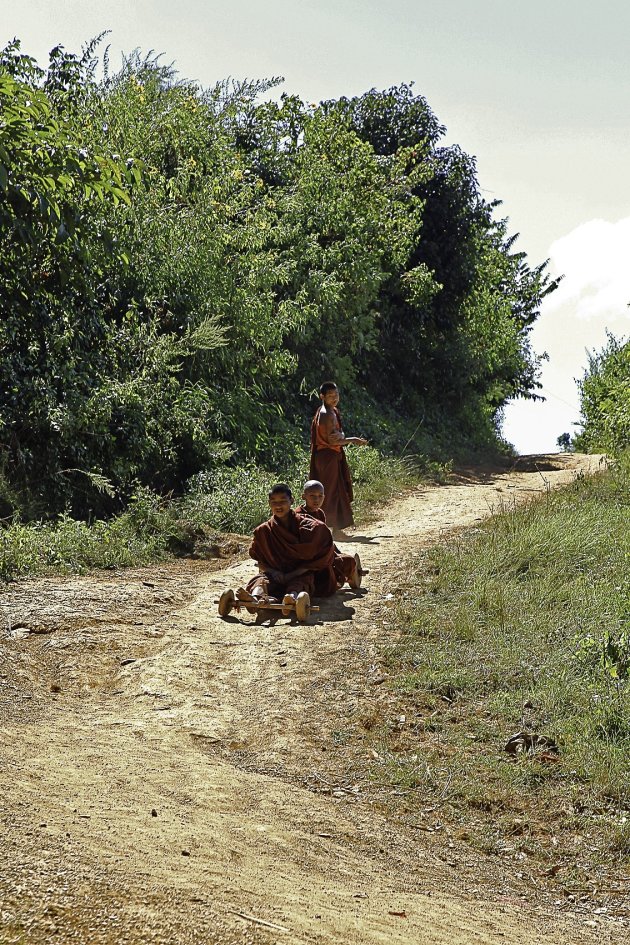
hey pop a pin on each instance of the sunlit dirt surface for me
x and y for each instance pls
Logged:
(168, 776)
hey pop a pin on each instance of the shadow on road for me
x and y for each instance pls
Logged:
(363, 540)
(479, 475)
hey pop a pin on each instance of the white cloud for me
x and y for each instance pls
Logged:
(592, 298)
(595, 260)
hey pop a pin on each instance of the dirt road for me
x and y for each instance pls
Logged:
(171, 777)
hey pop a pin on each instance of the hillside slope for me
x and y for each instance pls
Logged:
(168, 776)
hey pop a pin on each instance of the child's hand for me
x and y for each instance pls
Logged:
(298, 572)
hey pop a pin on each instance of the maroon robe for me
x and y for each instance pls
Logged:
(344, 565)
(306, 542)
(330, 467)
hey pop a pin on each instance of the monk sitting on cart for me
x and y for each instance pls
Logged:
(346, 567)
(294, 554)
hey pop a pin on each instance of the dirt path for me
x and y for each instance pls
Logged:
(170, 777)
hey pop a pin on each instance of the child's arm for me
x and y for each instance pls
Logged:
(297, 572)
(271, 572)
(334, 435)
(280, 577)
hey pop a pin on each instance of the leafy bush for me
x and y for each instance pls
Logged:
(377, 478)
(180, 268)
(229, 499)
(140, 535)
(605, 400)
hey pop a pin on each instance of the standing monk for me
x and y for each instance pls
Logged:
(328, 460)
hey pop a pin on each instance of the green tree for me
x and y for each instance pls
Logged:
(605, 400)
(455, 318)
(54, 246)
(91, 381)
(181, 267)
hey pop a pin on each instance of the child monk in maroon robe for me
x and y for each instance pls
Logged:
(346, 567)
(328, 460)
(294, 553)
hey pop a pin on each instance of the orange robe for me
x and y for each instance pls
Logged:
(330, 466)
(306, 542)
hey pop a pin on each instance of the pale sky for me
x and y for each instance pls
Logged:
(538, 92)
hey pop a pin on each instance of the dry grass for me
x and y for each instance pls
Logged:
(520, 625)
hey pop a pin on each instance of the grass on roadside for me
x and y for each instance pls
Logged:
(522, 624)
(136, 537)
(225, 500)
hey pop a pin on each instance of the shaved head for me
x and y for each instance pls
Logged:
(313, 484)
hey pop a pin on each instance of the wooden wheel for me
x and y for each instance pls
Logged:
(226, 602)
(355, 580)
(302, 606)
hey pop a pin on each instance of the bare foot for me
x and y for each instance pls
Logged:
(244, 595)
(339, 535)
(289, 601)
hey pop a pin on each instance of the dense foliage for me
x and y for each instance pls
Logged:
(180, 268)
(605, 400)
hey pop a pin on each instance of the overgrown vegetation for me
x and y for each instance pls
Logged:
(521, 625)
(180, 268)
(228, 499)
(605, 400)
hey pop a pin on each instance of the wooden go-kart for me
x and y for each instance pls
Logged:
(302, 606)
(355, 580)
